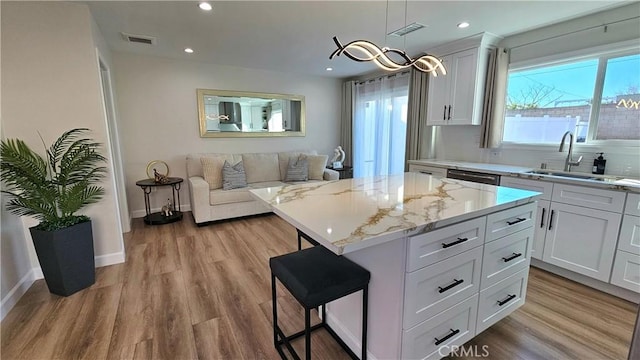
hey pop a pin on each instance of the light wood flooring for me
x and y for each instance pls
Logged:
(186, 292)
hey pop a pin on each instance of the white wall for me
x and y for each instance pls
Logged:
(462, 142)
(159, 119)
(50, 84)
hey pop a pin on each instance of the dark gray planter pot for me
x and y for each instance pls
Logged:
(66, 257)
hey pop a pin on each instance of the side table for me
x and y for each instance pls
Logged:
(345, 173)
(158, 218)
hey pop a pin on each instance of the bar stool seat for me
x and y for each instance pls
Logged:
(316, 276)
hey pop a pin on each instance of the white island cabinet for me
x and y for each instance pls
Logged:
(448, 258)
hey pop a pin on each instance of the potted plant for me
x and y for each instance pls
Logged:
(53, 190)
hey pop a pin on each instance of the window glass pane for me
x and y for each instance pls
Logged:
(544, 103)
(619, 116)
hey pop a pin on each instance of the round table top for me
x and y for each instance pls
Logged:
(152, 182)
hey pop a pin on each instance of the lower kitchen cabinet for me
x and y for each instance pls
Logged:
(626, 271)
(582, 240)
(544, 209)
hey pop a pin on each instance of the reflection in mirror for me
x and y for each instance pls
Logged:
(245, 114)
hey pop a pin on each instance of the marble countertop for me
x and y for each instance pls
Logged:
(498, 169)
(352, 214)
(604, 182)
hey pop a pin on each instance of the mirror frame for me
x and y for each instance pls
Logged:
(201, 93)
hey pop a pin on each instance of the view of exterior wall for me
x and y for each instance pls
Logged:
(619, 119)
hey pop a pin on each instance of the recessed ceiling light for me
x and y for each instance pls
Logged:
(188, 50)
(463, 25)
(329, 69)
(205, 6)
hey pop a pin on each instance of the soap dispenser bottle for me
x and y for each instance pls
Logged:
(598, 164)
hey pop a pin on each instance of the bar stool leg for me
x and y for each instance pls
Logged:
(274, 304)
(365, 302)
(307, 333)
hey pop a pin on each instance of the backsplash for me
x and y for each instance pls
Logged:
(462, 143)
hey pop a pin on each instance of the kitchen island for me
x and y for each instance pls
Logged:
(448, 258)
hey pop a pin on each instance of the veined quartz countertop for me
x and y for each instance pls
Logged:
(606, 181)
(352, 214)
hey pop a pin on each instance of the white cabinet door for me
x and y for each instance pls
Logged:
(626, 271)
(540, 229)
(581, 240)
(633, 204)
(462, 87)
(439, 95)
(630, 235)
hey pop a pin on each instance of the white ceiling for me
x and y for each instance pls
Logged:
(297, 35)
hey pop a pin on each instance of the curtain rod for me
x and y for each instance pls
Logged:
(382, 77)
(575, 31)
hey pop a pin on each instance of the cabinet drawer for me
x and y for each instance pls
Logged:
(510, 221)
(626, 271)
(501, 299)
(429, 170)
(633, 204)
(454, 326)
(434, 246)
(505, 257)
(435, 288)
(629, 239)
(599, 199)
(545, 187)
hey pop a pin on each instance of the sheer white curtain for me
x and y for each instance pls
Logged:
(380, 126)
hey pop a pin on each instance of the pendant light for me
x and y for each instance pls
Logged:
(364, 51)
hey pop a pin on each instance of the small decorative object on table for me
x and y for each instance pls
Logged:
(338, 158)
(167, 210)
(159, 178)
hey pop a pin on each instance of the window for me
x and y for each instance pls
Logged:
(380, 126)
(596, 98)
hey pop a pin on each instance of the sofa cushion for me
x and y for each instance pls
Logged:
(212, 169)
(233, 176)
(317, 163)
(261, 167)
(298, 170)
(219, 196)
(283, 159)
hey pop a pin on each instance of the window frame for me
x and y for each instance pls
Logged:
(599, 52)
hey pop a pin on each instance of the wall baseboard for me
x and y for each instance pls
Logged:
(35, 273)
(16, 293)
(141, 213)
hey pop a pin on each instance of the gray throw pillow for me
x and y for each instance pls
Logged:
(298, 170)
(233, 176)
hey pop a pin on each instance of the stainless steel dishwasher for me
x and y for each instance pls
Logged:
(474, 176)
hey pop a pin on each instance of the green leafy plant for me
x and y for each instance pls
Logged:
(53, 189)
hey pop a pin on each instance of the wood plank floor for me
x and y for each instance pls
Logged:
(186, 292)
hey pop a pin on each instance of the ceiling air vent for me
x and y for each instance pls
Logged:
(407, 29)
(140, 39)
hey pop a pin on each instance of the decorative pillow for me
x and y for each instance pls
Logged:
(317, 164)
(233, 177)
(298, 170)
(212, 170)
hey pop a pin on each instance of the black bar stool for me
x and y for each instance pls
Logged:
(302, 235)
(315, 277)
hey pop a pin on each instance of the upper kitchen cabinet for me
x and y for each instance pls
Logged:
(457, 98)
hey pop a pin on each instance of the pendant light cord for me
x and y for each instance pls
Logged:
(404, 38)
(386, 24)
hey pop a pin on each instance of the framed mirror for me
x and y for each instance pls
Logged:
(249, 114)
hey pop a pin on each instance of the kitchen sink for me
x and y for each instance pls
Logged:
(567, 175)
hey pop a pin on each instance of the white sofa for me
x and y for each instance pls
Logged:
(210, 202)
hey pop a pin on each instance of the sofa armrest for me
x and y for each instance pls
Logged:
(199, 196)
(330, 174)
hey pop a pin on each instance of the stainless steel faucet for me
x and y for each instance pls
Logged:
(568, 162)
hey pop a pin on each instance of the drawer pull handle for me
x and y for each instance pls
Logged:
(426, 172)
(518, 220)
(551, 219)
(450, 286)
(509, 298)
(515, 255)
(444, 114)
(447, 337)
(542, 218)
(444, 246)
